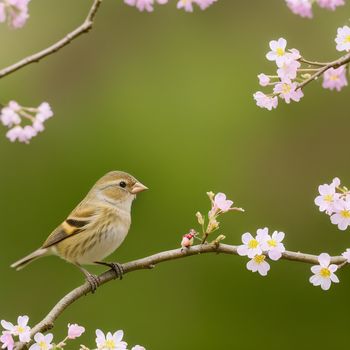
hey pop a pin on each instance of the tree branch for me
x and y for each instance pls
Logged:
(148, 263)
(83, 28)
(323, 68)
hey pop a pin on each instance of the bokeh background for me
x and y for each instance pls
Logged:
(167, 97)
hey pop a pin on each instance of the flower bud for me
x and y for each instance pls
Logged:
(211, 195)
(200, 218)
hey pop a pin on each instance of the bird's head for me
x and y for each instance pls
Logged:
(118, 187)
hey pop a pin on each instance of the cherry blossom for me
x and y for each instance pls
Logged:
(263, 79)
(289, 69)
(21, 329)
(341, 216)
(222, 203)
(265, 101)
(258, 264)
(327, 196)
(302, 8)
(278, 51)
(330, 4)
(14, 12)
(251, 246)
(335, 78)
(324, 272)
(110, 341)
(138, 347)
(7, 340)
(343, 39)
(13, 115)
(271, 244)
(288, 91)
(75, 331)
(42, 342)
(144, 5)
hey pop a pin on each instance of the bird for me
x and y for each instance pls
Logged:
(95, 228)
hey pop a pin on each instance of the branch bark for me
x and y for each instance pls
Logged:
(323, 68)
(150, 262)
(83, 28)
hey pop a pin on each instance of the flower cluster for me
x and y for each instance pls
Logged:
(303, 8)
(44, 342)
(259, 247)
(219, 205)
(290, 76)
(187, 5)
(14, 12)
(334, 200)
(14, 114)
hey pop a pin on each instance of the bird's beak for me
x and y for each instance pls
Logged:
(138, 187)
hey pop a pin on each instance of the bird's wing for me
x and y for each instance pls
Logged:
(74, 224)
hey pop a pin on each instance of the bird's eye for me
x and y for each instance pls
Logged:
(122, 184)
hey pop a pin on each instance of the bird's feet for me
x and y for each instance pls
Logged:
(116, 267)
(94, 282)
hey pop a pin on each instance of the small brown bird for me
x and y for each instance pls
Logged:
(95, 228)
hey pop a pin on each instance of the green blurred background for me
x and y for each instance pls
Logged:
(167, 97)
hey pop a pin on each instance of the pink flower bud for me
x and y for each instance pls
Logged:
(75, 331)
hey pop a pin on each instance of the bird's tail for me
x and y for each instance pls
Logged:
(20, 264)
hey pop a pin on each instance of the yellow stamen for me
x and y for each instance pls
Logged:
(272, 243)
(253, 243)
(43, 345)
(334, 77)
(328, 198)
(280, 51)
(345, 214)
(259, 259)
(347, 39)
(110, 344)
(286, 88)
(325, 272)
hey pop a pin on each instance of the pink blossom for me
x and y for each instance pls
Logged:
(144, 5)
(288, 91)
(263, 79)
(330, 4)
(343, 39)
(335, 78)
(7, 340)
(278, 51)
(328, 195)
(222, 203)
(324, 272)
(288, 71)
(271, 244)
(138, 347)
(110, 341)
(302, 8)
(21, 134)
(258, 264)
(15, 12)
(265, 101)
(187, 5)
(21, 329)
(42, 342)
(14, 114)
(44, 112)
(341, 216)
(75, 331)
(251, 246)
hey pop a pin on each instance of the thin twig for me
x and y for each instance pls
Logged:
(83, 28)
(323, 68)
(149, 262)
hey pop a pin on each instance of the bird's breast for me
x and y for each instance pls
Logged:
(98, 241)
